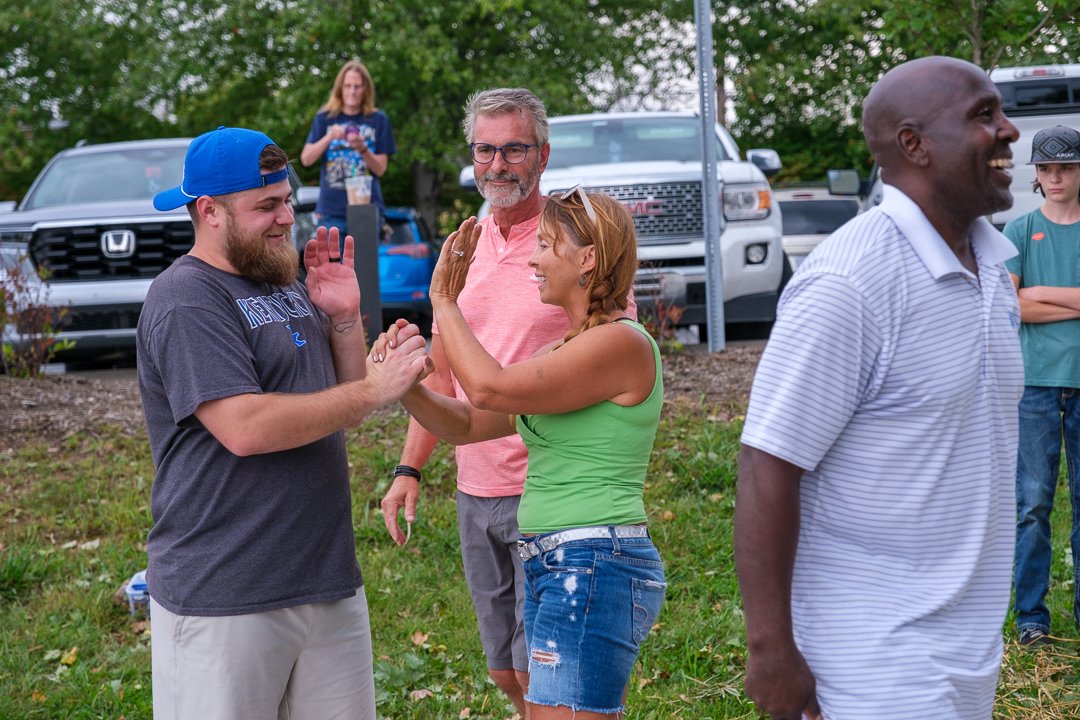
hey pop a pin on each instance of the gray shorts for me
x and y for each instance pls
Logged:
(489, 533)
(300, 662)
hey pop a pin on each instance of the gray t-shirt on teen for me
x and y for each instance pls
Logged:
(235, 535)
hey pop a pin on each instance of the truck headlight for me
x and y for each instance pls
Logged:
(750, 201)
(15, 237)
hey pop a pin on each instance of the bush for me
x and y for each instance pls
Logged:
(30, 324)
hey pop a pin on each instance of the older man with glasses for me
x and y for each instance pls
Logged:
(507, 134)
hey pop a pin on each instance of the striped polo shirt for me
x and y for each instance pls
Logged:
(892, 376)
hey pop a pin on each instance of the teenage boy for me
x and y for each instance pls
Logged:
(1047, 274)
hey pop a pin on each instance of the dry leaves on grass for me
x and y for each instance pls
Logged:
(53, 408)
(1038, 682)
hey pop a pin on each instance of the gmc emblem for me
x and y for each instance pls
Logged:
(118, 243)
(638, 208)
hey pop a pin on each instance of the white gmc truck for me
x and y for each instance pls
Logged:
(651, 162)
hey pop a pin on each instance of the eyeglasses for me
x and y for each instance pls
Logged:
(585, 202)
(512, 153)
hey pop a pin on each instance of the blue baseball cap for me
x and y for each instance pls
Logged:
(220, 162)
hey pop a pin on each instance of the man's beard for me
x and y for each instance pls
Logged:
(508, 197)
(253, 258)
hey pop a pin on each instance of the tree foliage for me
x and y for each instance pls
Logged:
(800, 68)
(104, 70)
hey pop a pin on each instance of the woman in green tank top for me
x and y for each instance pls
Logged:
(587, 407)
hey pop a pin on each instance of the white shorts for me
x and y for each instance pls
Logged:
(310, 661)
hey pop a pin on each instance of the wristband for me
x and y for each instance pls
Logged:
(407, 470)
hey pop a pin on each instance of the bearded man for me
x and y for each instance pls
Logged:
(247, 379)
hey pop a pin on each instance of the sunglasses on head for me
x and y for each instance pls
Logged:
(585, 202)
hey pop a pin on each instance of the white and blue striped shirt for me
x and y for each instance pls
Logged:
(892, 377)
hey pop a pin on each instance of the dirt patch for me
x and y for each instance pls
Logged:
(51, 409)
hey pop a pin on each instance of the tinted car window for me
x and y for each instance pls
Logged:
(815, 217)
(400, 232)
(108, 176)
(610, 141)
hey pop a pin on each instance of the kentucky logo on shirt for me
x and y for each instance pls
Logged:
(297, 340)
(280, 307)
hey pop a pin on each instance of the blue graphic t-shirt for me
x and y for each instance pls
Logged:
(340, 161)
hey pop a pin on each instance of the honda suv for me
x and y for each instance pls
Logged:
(89, 222)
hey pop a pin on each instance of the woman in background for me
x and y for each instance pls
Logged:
(350, 137)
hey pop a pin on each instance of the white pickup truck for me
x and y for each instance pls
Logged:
(651, 162)
(1033, 98)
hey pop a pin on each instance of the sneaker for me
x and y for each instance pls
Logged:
(1034, 636)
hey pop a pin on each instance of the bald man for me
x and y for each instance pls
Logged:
(875, 511)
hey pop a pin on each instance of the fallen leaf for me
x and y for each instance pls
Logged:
(420, 694)
(90, 544)
(38, 696)
(465, 713)
(667, 515)
(53, 655)
(419, 638)
(71, 656)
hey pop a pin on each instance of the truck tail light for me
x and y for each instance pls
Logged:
(417, 251)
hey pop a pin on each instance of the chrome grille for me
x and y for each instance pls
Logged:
(74, 253)
(663, 212)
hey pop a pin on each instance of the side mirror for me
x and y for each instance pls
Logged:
(844, 182)
(467, 179)
(768, 161)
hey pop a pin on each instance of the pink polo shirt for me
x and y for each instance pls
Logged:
(503, 309)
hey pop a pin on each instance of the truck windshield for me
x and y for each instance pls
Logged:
(108, 177)
(610, 141)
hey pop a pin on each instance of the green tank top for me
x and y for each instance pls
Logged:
(587, 467)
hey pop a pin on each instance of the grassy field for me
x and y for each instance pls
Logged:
(75, 517)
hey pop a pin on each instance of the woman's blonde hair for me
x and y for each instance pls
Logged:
(614, 241)
(335, 104)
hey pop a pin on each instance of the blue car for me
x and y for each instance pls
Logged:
(406, 261)
(407, 258)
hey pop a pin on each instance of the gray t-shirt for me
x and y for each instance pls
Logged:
(235, 535)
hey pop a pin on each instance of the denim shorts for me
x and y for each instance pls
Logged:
(588, 606)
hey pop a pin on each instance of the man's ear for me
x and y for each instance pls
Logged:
(545, 152)
(910, 144)
(209, 210)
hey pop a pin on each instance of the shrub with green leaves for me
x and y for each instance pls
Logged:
(31, 325)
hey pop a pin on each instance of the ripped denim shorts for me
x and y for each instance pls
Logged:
(588, 606)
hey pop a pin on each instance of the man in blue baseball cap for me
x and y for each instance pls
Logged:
(248, 379)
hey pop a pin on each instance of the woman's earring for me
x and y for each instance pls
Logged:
(581, 281)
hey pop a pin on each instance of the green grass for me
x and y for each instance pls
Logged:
(73, 520)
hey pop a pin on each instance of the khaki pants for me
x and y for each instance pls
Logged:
(311, 662)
